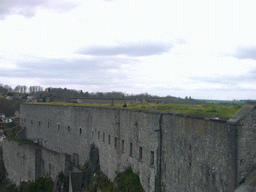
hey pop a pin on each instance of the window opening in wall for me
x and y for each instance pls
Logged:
(80, 131)
(103, 137)
(122, 146)
(58, 126)
(131, 149)
(68, 128)
(98, 134)
(140, 153)
(31, 122)
(115, 142)
(39, 123)
(152, 158)
(48, 124)
(109, 139)
(92, 134)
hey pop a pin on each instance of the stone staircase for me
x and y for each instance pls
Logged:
(77, 179)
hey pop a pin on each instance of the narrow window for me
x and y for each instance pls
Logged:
(103, 137)
(48, 124)
(109, 139)
(122, 146)
(115, 142)
(58, 126)
(68, 128)
(140, 153)
(98, 134)
(39, 123)
(80, 131)
(31, 122)
(152, 158)
(92, 134)
(131, 149)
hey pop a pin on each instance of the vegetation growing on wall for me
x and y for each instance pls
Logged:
(11, 132)
(62, 182)
(27, 142)
(100, 181)
(42, 184)
(127, 181)
(11, 188)
(210, 110)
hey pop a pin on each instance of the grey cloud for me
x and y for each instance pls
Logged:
(221, 80)
(132, 50)
(98, 71)
(245, 53)
(27, 8)
(230, 81)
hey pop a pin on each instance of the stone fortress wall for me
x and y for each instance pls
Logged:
(171, 151)
(26, 163)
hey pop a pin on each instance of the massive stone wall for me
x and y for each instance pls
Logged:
(197, 155)
(245, 125)
(19, 161)
(174, 152)
(59, 128)
(114, 131)
(26, 163)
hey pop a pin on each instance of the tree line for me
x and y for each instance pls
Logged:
(63, 94)
(20, 89)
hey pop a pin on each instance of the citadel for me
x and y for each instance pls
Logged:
(169, 151)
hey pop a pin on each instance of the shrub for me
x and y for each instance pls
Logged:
(11, 188)
(128, 181)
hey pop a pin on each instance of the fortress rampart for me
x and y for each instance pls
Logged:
(26, 163)
(169, 151)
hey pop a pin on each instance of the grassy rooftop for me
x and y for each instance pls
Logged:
(210, 110)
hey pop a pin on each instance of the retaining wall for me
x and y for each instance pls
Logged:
(197, 155)
(26, 163)
(169, 151)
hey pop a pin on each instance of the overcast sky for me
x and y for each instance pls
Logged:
(203, 49)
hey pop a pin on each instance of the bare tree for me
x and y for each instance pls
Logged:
(17, 89)
(8, 88)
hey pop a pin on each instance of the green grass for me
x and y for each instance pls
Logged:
(210, 110)
(227, 102)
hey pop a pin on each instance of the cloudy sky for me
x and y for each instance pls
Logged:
(203, 49)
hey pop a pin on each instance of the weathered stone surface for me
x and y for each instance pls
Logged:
(26, 163)
(180, 152)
